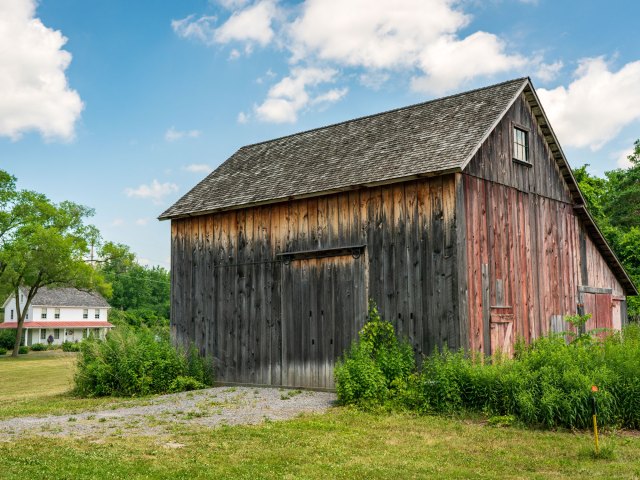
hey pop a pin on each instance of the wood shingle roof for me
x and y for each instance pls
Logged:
(420, 140)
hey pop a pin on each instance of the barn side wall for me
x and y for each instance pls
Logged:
(527, 252)
(264, 318)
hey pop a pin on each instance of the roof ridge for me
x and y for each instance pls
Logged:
(378, 114)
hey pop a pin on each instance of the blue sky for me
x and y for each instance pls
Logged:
(124, 106)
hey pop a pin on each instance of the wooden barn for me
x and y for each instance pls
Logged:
(460, 217)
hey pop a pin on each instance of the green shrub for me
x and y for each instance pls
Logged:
(70, 347)
(547, 383)
(138, 362)
(23, 350)
(7, 338)
(3, 351)
(377, 366)
(185, 384)
(38, 347)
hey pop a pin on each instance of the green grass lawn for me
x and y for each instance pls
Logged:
(40, 383)
(343, 443)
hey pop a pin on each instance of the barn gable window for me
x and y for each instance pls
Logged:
(521, 145)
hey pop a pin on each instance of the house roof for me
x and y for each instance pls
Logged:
(420, 140)
(425, 139)
(59, 324)
(67, 297)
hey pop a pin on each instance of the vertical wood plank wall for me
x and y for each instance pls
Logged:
(521, 227)
(228, 284)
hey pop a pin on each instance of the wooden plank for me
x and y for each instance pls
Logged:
(486, 298)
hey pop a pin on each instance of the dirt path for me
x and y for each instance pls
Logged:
(211, 407)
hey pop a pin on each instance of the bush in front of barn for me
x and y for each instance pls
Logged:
(377, 367)
(546, 384)
(139, 362)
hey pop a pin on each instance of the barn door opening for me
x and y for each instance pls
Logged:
(324, 304)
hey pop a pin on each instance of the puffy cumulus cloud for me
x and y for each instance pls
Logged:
(548, 71)
(291, 94)
(449, 62)
(253, 24)
(198, 168)
(34, 92)
(381, 34)
(156, 191)
(172, 135)
(248, 25)
(418, 39)
(596, 105)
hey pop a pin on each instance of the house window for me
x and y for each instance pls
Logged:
(97, 315)
(85, 313)
(43, 334)
(11, 314)
(520, 145)
(56, 313)
(44, 313)
(84, 333)
(56, 333)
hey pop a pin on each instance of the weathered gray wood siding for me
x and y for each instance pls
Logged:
(527, 251)
(266, 321)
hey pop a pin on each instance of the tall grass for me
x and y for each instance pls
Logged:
(138, 362)
(547, 383)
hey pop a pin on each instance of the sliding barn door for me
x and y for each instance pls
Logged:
(324, 304)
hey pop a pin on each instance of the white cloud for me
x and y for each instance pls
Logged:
(252, 24)
(596, 105)
(117, 222)
(198, 168)
(232, 4)
(249, 25)
(449, 62)
(331, 96)
(549, 71)
(622, 158)
(141, 222)
(34, 92)
(243, 117)
(425, 40)
(201, 29)
(172, 134)
(155, 192)
(381, 34)
(291, 94)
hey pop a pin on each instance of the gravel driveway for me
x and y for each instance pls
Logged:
(211, 407)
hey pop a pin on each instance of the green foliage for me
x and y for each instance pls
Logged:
(42, 244)
(70, 347)
(614, 201)
(185, 384)
(3, 351)
(7, 338)
(377, 366)
(38, 347)
(23, 350)
(547, 384)
(138, 362)
(140, 294)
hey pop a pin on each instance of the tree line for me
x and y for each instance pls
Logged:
(48, 244)
(614, 202)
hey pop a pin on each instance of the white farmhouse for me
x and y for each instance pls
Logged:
(64, 314)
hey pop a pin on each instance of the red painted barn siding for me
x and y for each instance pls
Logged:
(520, 225)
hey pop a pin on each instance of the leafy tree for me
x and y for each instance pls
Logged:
(614, 201)
(42, 244)
(141, 292)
